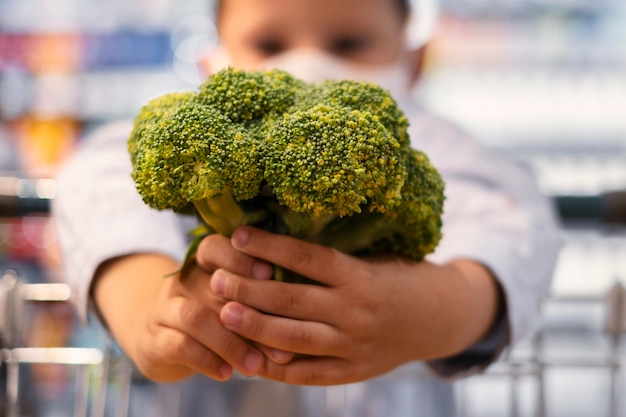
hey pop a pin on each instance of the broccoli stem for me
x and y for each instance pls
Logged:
(301, 225)
(307, 226)
(357, 234)
(224, 214)
(221, 213)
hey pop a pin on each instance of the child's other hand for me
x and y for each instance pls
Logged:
(364, 319)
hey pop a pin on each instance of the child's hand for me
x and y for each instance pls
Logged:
(216, 253)
(170, 326)
(366, 317)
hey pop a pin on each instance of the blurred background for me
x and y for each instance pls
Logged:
(543, 80)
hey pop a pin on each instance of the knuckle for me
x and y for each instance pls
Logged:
(257, 326)
(287, 302)
(300, 256)
(312, 377)
(338, 345)
(301, 336)
(252, 325)
(190, 315)
(207, 249)
(164, 348)
(362, 334)
(172, 347)
(235, 289)
(207, 362)
(362, 316)
(278, 373)
(233, 348)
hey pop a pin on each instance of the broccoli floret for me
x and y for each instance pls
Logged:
(196, 155)
(411, 228)
(366, 96)
(420, 211)
(153, 112)
(250, 96)
(329, 163)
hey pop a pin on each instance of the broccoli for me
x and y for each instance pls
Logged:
(196, 155)
(329, 163)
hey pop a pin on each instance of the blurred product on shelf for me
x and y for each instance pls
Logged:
(23, 239)
(43, 53)
(43, 144)
(55, 74)
(51, 53)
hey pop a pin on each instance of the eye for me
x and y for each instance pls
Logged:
(349, 45)
(270, 47)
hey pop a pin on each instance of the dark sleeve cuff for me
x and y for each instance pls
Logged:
(478, 357)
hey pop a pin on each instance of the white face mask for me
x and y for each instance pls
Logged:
(316, 66)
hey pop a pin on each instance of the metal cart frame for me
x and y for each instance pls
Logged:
(14, 298)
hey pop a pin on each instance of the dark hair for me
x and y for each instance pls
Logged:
(404, 5)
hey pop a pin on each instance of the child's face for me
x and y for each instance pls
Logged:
(368, 32)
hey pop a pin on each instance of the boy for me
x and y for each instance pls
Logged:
(385, 321)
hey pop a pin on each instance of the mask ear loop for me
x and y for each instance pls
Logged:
(214, 58)
(422, 22)
(421, 26)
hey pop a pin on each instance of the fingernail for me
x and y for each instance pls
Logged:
(262, 270)
(240, 237)
(231, 316)
(281, 355)
(226, 371)
(253, 362)
(218, 283)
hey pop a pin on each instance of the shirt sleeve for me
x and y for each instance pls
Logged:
(99, 215)
(495, 214)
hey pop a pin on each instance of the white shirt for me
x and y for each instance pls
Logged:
(493, 213)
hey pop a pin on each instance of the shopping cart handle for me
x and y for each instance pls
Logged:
(22, 197)
(23, 206)
(615, 207)
(607, 208)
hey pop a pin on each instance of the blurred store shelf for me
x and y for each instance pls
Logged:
(92, 368)
(533, 109)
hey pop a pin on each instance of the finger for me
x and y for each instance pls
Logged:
(182, 354)
(310, 260)
(215, 251)
(282, 333)
(314, 370)
(297, 301)
(205, 327)
(277, 356)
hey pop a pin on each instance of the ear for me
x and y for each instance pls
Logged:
(416, 59)
(213, 61)
(204, 65)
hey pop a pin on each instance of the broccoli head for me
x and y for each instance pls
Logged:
(411, 228)
(329, 160)
(196, 155)
(364, 96)
(250, 96)
(153, 112)
(330, 163)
